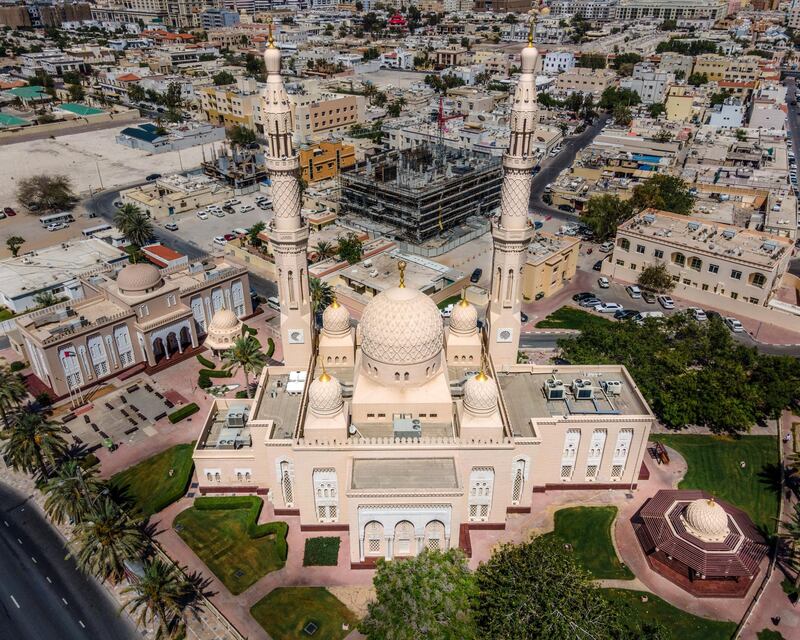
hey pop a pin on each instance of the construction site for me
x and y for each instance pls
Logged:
(417, 194)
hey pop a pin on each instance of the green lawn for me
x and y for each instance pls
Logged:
(6, 314)
(149, 484)
(451, 300)
(285, 611)
(221, 539)
(681, 625)
(571, 318)
(714, 467)
(588, 530)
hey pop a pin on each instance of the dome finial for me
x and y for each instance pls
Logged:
(463, 302)
(536, 12)
(530, 31)
(401, 265)
(270, 40)
(482, 377)
(325, 377)
(334, 302)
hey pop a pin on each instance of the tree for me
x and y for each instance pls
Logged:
(45, 299)
(241, 135)
(321, 295)
(626, 60)
(105, 540)
(134, 225)
(224, 77)
(719, 97)
(697, 79)
(12, 392)
(663, 136)
(667, 193)
(76, 92)
(324, 249)
(14, 243)
(790, 548)
(612, 96)
(71, 493)
(245, 354)
(656, 277)
(395, 107)
(592, 61)
(350, 248)
(32, 442)
(656, 109)
(427, 596)
(46, 193)
(622, 115)
(252, 233)
(605, 213)
(173, 97)
(537, 590)
(160, 597)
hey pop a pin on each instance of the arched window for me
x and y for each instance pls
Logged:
(405, 376)
(435, 536)
(518, 473)
(678, 258)
(403, 539)
(396, 375)
(695, 263)
(287, 484)
(758, 279)
(481, 485)
(373, 539)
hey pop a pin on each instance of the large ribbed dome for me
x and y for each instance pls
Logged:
(335, 319)
(136, 279)
(401, 326)
(325, 395)
(480, 394)
(707, 520)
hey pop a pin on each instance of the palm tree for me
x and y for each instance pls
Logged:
(45, 299)
(161, 596)
(134, 225)
(321, 295)
(31, 440)
(791, 540)
(106, 539)
(72, 492)
(245, 354)
(12, 391)
(324, 250)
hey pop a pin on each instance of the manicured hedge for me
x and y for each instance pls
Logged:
(321, 552)
(205, 362)
(241, 394)
(183, 412)
(253, 504)
(17, 365)
(270, 347)
(204, 382)
(249, 330)
(88, 461)
(211, 373)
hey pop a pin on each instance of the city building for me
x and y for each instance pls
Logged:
(650, 83)
(215, 18)
(404, 432)
(318, 115)
(727, 115)
(584, 80)
(681, 10)
(417, 193)
(551, 263)
(138, 316)
(597, 10)
(325, 160)
(173, 194)
(152, 139)
(555, 62)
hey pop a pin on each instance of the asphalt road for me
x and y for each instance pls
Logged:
(43, 596)
(794, 130)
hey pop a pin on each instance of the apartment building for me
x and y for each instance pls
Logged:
(320, 115)
(228, 106)
(676, 63)
(711, 263)
(671, 9)
(132, 11)
(555, 62)
(793, 15)
(325, 159)
(451, 56)
(551, 263)
(650, 83)
(599, 10)
(684, 103)
(712, 65)
(583, 80)
(215, 18)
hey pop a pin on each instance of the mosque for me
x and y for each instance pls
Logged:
(404, 433)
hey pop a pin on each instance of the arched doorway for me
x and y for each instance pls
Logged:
(373, 539)
(172, 343)
(403, 539)
(185, 338)
(158, 349)
(434, 536)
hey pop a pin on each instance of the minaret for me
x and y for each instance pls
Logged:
(512, 233)
(288, 232)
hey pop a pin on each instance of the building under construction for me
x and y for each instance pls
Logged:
(239, 167)
(415, 194)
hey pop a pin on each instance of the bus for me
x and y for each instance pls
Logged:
(56, 218)
(88, 233)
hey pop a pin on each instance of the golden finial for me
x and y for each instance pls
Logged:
(401, 265)
(535, 13)
(334, 302)
(324, 377)
(270, 40)
(530, 31)
(482, 377)
(463, 302)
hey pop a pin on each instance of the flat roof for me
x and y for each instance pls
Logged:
(278, 405)
(28, 93)
(7, 120)
(404, 473)
(80, 109)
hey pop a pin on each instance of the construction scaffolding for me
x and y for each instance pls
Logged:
(416, 194)
(237, 166)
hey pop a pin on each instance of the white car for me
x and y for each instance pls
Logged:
(698, 314)
(734, 325)
(666, 302)
(171, 226)
(246, 208)
(203, 215)
(606, 247)
(218, 214)
(57, 226)
(603, 283)
(634, 291)
(608, 307)
(220, 240)
(447, 311)
(232, 202)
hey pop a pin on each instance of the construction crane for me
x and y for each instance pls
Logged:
(440, 122)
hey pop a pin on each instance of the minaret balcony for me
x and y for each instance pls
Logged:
(282, 164)
(521, 163)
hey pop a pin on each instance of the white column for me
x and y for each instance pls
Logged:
(389, 547)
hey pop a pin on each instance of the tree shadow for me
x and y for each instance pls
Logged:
(771, 476)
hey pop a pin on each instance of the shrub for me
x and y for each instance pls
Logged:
(89, 460)
(253, 504)
(206, 362)
(183, 412)
(321, 552)
(212, 373)
(241, 394)
(249, 330)
(17, 365)
(204, 382)
(270, 347)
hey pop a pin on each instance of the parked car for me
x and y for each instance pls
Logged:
(220, 240)
(625, 314)
(698, 314)
(734, 325)
(590, 302)
(9, 211)
(643, 315)
(447, 311)
(2, 216)
(153, 176)
(648, 297)
(218, 213)
(606, 247)
(202, 215)
(523, 316)
(476, 275)
(609, 307)
(56, 226)
(229, 237)
(666, 302)
(634, 291)
(711, 315)
(232, 202)
(582, 296)
(598, 265)
(603, 283)
(246, 208)
(171, 226)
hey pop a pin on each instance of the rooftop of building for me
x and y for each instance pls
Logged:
(60, 321)
(403, 473)
(545, 245)
(724, 240)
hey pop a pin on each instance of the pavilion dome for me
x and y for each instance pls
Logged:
(137, 279)
(464, 317)
(325, 395)
(335, 319)
(224, 319)
(707, 520)
(480, 395)
(223, 330)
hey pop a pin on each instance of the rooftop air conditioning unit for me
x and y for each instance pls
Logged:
(554, 389)
(582, 389)
(612, 387)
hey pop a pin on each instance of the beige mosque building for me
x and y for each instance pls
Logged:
(406, 432)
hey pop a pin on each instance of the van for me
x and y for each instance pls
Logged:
(274, 303)
(239, 231)
(606, 247)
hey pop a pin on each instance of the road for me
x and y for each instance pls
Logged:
(794, 131)
(102, 205)
(42, 595)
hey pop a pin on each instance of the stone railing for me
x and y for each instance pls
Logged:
(432, 442)
(212, 276)
(84, 328)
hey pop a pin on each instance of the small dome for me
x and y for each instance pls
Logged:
(336, 319)
(529, 56)
(325, 395)
(707, 520)
(480, 395)
(272, 59)
(136, 279)
(224, 319)
(401, 326)
(464, 318)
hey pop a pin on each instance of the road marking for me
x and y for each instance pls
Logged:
(48, 579)
(14, 600)
(18, 540)
(34, 560)
(64, 600)
(5, 522)
(80, 622)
